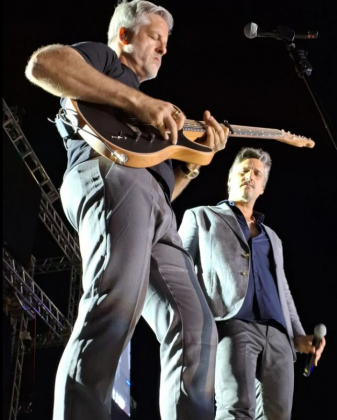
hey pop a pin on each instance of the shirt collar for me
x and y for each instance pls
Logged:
(258, 216)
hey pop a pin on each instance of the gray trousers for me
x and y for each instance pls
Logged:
(254, 372)
(127, 233)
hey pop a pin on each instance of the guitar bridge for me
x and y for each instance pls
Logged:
(135, 130)
(120, 136)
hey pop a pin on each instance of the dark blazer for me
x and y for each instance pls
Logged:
(213, 237)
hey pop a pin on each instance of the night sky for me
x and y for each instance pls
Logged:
(211, 65)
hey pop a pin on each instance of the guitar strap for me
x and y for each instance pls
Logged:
(69, 130)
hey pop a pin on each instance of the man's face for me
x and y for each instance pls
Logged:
(147, 47)
(246, 182)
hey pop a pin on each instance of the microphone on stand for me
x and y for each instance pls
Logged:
(252, 30)
(319, 333)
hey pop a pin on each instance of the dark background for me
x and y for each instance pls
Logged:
(211, 65)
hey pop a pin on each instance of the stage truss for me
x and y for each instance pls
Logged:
(24, 300)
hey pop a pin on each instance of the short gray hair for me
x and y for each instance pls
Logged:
(132, 15)
(251, 153)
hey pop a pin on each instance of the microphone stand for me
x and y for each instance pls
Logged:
(304, 69)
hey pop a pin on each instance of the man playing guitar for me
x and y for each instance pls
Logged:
(132, 254)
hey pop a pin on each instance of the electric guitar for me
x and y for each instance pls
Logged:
(130, 142)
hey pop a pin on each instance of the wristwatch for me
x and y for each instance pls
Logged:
(190, 174)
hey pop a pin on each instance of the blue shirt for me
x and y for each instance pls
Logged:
(262, 302)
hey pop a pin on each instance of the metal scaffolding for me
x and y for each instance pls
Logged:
(52, 265)
(47, 213)
(18, 282)
(18, 353)
(13, 129)
(33, 299)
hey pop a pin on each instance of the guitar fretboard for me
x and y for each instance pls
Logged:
(247, 132)
(239, 131)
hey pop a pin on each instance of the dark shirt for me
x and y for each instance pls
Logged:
(262, 302)
(105, 60)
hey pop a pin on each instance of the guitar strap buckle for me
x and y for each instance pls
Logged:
(65, 127)
(65, 131)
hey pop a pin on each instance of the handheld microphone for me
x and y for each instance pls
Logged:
(319, 333)
(252, 30)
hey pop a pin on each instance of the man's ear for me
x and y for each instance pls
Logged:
(123, 36)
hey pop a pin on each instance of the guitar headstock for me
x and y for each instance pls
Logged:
(297, 141)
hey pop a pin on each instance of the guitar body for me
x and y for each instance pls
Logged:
(141, 143)
(130, 142)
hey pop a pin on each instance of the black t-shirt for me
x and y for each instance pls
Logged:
(105, 60)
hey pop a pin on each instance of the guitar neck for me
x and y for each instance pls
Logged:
(238, 130)
(256, 132)
(195, 129)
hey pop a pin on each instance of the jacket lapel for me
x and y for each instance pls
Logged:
(229, 217)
